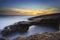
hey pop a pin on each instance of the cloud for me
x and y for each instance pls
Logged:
(16, 11)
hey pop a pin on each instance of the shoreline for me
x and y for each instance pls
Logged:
(23, 26)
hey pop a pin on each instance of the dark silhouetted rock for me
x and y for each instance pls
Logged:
(21, 27)
(44, 16)
(6, 32)
(52, 19)
(4, 39)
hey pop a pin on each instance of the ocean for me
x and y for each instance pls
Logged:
(9, 20)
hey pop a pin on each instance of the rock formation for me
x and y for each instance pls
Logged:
(45, 16)
(6, 32)
(42, 36)
(53, 19)
(23, 26)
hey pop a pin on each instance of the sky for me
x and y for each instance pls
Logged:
(29, 7)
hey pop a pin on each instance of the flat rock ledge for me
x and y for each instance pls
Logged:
(23, 26)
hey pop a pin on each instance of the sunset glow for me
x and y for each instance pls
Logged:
(29, 7)
(34, 12)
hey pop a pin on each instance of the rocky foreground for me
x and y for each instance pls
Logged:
(43, 36)
(23, 26)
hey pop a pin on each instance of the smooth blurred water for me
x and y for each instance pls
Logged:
(8, 20)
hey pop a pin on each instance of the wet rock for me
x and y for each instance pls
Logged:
(43, 36)
(6, 32)
(45, 20)
(49, 19)
(22, 26)
(20, 38)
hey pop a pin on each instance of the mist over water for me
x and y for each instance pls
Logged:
(9, 20)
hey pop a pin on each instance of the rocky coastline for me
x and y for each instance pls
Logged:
(23, 26)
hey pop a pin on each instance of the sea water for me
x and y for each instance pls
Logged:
(9, 20)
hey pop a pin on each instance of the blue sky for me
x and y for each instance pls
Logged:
(30, 4)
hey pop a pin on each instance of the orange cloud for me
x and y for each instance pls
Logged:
(34, 12)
